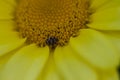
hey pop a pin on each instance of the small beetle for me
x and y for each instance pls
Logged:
(51, 41)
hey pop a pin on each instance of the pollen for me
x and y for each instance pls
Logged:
(51, 22)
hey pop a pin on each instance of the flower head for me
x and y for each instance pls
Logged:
(59, 39)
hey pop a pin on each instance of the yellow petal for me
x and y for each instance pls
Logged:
(7, 31)
(8, 47)
(50, 72)
(11, 2)
(7, 26)
(3, 60)
(9, 39)
(6, 10)
(109, 4)
(114, 37)
(106, 18)
(109, 76)
(98, 3)
(26, 64)
(70, 66)
(96, 49)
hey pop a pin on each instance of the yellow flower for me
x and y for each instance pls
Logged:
(59, 39)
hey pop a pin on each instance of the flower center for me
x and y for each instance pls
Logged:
(51, 22)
